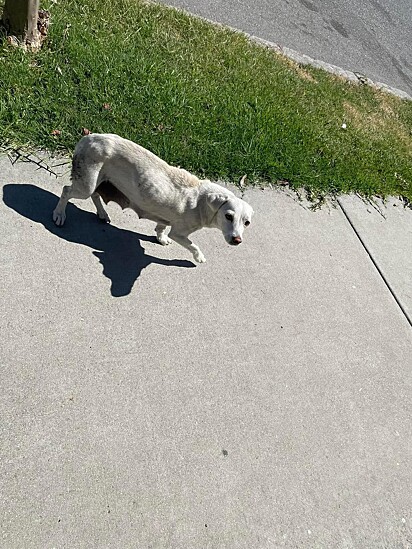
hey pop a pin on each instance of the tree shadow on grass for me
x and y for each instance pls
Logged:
(118, 250)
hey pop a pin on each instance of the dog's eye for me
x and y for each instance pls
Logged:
(247, 223)
(229, 217)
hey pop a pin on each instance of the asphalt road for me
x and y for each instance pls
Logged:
(372, 37)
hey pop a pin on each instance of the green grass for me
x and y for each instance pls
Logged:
(201, 97)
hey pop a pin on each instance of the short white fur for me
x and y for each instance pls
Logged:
(155, 190)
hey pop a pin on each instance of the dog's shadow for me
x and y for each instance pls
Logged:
(118, 250)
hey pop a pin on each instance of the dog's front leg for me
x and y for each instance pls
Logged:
(162, 238)
(184, 241)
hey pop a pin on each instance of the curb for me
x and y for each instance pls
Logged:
(303, 59)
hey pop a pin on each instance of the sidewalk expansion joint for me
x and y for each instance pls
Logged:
(381, 274)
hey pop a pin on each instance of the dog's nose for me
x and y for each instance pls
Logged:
(236, 240)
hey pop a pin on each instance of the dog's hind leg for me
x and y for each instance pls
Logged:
(161, 236)
(83, 186)
(59, 214)
(101, 212)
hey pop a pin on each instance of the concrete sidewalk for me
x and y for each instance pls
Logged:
(261, 400)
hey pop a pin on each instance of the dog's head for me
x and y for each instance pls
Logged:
(231, 216)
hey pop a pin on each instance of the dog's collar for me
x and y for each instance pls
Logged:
(217, 211)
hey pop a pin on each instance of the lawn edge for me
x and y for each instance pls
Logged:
(43, 160)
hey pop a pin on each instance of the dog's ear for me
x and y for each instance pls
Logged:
(215, 200)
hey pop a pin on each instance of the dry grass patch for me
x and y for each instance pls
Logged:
(382, 122)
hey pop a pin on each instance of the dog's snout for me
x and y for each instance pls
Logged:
(236, 240)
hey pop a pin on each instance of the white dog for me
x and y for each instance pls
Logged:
(119, 170)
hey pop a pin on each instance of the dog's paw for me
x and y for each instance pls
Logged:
(164, 240)
(59, 218)
(199, 257)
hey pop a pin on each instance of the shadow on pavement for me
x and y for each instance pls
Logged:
(118, 250)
